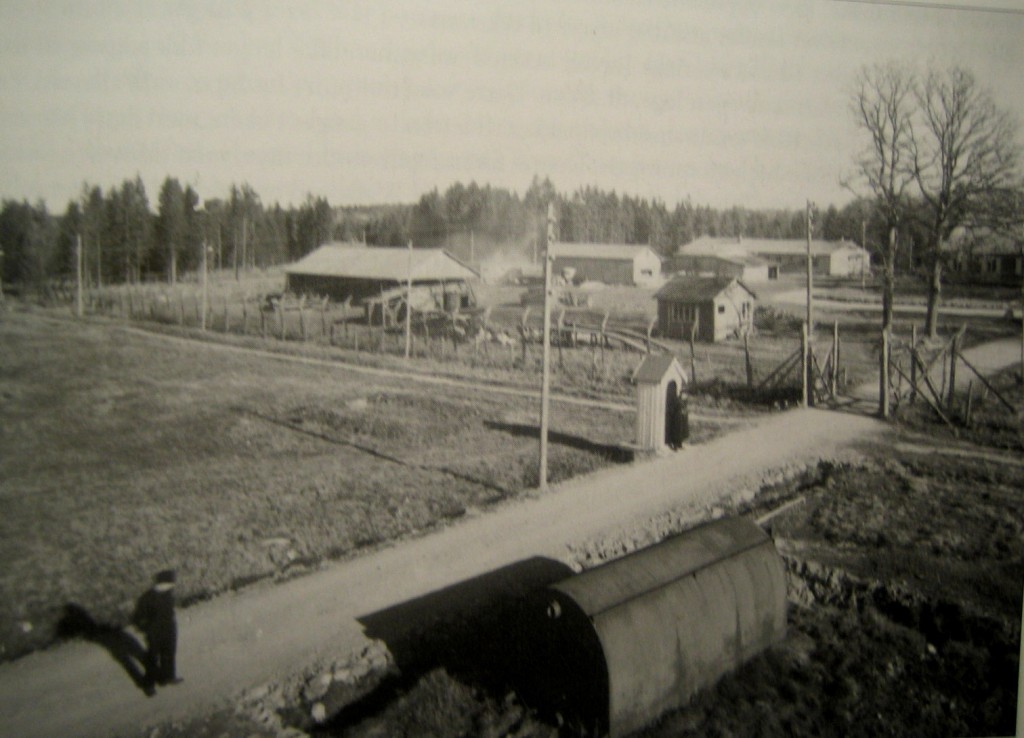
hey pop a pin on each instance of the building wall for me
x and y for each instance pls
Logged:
(646, 268)
(650, 416)
(336, 288)
(733, 316)
(1004, 269)
(706, 265)
(340, 288)
(609, 271)
(673, 325)
(797, 263)
(847, 263)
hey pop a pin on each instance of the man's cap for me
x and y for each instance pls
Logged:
(166, 576)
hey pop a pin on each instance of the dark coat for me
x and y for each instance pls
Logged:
(154, 614)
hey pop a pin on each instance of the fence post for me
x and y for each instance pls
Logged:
(952, 372)
(227, 318)
(835, 359)
(245, 316)
(604, 339)
(561, 323)
(280, 309)
(913, 365)
(883, 376)
(805, 367)
(693, 353)
(746, 354)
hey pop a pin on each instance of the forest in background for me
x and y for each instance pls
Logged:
(126, 237)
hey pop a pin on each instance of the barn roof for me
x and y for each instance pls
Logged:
(710, 246)
(615, 251)
(390, 264)
(697, 289)
(728, 258)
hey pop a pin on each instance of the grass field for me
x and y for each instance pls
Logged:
(122, 455)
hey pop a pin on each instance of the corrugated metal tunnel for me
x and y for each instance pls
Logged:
(629, 640)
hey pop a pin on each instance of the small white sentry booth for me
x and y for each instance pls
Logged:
(659, 381)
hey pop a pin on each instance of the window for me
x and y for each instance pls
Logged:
(721, 309)
(679, 313)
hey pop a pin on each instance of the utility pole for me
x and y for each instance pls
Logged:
(201, 215)
(202, 318)
(408, 303)
(78, 275)
(863, 245)
(545, 385)
(810, 269)
(809, 352)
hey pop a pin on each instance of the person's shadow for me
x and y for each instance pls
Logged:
(123, 647)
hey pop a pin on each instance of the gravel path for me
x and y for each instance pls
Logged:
(269, 632)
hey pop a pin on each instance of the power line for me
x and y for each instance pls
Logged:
(922, 4)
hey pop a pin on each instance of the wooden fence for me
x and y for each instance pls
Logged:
(589, 344)
(918, 373)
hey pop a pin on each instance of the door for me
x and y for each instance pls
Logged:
(671, 412)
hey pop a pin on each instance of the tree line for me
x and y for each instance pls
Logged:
(126, 239)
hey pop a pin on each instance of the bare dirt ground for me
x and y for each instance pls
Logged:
(268, 634)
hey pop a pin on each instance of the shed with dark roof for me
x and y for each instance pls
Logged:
(708, 308)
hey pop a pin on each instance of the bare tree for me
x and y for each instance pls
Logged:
(964, 153)
(883, 106)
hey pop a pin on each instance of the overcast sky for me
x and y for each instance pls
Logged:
(743, 103)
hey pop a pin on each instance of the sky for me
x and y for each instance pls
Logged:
(727, 102)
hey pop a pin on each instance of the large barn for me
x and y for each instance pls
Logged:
(712, 308)
(608, 263)
(828, 258)
(351, 271)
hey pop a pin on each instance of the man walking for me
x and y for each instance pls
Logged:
(154, 616)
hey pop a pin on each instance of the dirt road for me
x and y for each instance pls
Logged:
(799, 297)
(988, 358)
(271, 631)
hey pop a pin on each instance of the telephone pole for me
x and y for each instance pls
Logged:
(810, 269)
(408, 303)
(78, 275)
(545, 384)
(808, 350)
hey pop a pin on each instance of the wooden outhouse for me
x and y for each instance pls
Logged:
(659, 381)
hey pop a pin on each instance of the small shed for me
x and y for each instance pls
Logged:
(717, 307)
(659, 382)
